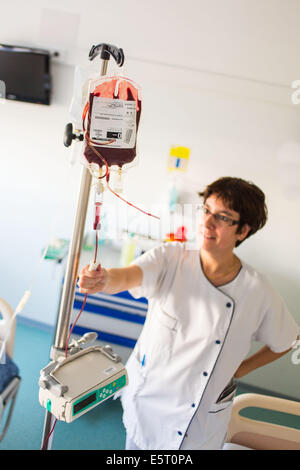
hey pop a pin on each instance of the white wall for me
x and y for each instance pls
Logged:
(216, 77)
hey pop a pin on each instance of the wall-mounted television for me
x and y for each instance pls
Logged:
(25, 74)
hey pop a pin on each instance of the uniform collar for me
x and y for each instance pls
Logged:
(223, 285)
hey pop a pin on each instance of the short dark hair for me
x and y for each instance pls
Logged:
(243, 197)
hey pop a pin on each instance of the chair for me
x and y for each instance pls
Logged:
(9, 378)
(245, 433)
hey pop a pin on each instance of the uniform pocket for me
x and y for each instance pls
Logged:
(218, 419)
(167, 320)
(225, 398)
(165, 330)
(157, 345)
(136, 378)
(217, 407)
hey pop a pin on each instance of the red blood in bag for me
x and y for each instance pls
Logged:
(113, 156)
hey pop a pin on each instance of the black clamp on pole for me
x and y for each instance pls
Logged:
(107, 50)
(69, 135)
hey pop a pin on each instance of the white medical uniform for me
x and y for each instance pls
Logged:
(194, 338)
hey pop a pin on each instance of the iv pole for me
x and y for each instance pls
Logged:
(71, 274)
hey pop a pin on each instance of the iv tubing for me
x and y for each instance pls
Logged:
(107, 174)
(84, 301)
(47, 438)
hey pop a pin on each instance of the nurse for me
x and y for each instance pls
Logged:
(205, 308)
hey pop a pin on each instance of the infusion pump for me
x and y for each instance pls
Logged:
(69, 387)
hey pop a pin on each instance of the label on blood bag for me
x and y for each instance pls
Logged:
(113, 119)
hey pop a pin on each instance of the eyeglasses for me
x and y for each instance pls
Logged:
(219, 219)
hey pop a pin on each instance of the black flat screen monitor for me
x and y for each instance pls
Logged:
(25, 74)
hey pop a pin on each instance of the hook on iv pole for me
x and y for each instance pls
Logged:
(105, 50)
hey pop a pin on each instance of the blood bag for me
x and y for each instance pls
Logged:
(111, 119)
(111, 110)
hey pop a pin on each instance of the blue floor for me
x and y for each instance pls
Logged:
(101, 428)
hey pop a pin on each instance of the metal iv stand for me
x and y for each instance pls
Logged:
(71, 274)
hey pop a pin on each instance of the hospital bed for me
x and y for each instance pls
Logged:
(9, 373)
(245, 434)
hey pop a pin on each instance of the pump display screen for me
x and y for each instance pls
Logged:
(83, 403)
